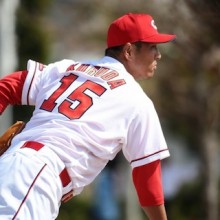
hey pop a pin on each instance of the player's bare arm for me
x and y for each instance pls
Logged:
(155, 212)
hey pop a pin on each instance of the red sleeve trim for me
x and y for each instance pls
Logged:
(148, 184)
(11, 89)
(149, 155)
(31, 82)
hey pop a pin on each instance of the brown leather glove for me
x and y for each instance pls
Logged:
(6, 138)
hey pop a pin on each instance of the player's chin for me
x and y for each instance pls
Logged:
(146, 75)
(150, 74)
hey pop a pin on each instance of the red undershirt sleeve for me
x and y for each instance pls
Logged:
(148, 184)
(11, 89)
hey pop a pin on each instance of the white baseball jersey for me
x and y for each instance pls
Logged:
(87, 112)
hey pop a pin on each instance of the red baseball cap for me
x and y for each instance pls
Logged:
(133, 28)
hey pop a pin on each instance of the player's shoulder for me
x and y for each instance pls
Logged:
(142, 101)
(58, 67)
(64, 62)
(63, 65)
(137, 98)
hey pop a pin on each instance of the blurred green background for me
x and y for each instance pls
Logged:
(185, 91)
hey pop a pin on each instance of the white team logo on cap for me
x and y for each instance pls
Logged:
(153, 24)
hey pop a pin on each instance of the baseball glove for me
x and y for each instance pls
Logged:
(6, 138)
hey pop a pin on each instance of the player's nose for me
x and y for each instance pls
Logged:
(158, 55)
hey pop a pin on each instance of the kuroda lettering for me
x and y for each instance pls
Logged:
(97, 71)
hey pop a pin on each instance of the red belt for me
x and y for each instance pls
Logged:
(64, 176)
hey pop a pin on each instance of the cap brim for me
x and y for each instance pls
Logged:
(160, 38)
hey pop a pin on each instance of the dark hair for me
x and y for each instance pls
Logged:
(115, 51)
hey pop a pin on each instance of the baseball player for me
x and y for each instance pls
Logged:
(85, 113)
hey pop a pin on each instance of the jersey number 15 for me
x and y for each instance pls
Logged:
(65, 107)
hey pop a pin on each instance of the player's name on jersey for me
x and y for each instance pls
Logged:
(104, 73)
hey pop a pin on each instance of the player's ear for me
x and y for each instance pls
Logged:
(128, 51)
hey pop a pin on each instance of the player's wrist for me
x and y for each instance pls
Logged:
(155, 212)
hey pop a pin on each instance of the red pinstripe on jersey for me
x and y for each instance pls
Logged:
(26, 196)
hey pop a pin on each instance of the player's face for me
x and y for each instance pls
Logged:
(143, 61)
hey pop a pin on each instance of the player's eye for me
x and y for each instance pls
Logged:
(153, 47)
